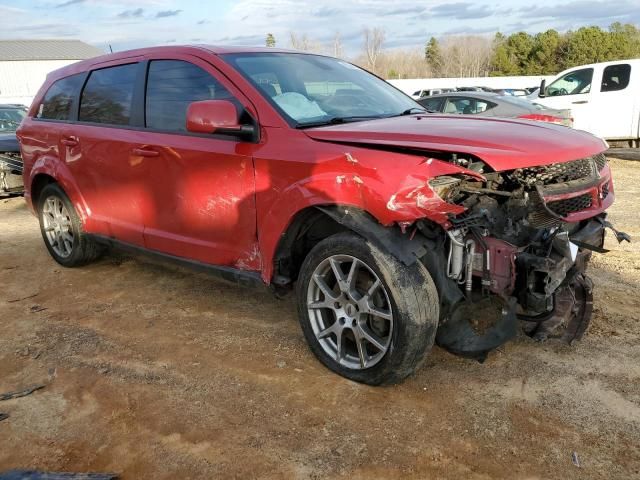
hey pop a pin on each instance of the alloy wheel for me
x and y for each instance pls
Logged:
(350, 312)
(57, 226)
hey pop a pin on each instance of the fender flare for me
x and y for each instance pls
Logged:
(405, 247)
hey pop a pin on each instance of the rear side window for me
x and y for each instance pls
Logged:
(107, 96)
(615, 77)
(59, 98)
(171, 86)
(432, 104)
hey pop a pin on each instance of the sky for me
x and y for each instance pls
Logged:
(407, 23)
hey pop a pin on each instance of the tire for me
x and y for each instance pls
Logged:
(62, 231)
(395, 323)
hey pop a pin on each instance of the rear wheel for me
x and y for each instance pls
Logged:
(62, 230)
(365, 315)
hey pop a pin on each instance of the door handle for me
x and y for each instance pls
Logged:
(580, 102)
(143, 152)
(69, 141)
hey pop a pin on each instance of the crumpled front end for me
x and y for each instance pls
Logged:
(519, 252)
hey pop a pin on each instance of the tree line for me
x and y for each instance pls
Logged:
(520, 53)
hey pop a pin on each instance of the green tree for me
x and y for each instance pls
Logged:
(270, 41)
(433, 56)
(544, 58)
(588, 45)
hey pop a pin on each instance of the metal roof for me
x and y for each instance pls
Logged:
(46, 50)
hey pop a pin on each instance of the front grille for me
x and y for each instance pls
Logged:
(559, 172)
(600, 160)
(564, 207)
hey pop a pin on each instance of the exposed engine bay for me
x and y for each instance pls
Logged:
(10, 173)
(519, 252)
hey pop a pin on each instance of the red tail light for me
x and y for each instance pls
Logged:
(568, 122)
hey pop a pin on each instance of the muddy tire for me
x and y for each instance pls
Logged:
(61, 229)
(366, 315)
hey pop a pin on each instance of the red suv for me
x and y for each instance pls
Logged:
(397, 228)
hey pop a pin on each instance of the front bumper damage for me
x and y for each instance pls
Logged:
(550, 295)
(518, 256)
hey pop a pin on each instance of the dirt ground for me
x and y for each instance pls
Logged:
(156, 372)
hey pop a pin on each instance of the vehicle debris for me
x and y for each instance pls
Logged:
(21, 393)
(575, 459)
(35, 475)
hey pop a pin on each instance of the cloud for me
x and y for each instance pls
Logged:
(461, 11)
(69, 2)
(137, 13)
(584, 10)
(168, 13)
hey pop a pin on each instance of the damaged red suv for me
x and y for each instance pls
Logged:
(397, 228)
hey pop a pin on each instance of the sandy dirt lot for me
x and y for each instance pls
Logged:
(156, 372)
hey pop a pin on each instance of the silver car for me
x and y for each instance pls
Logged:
(494, 105)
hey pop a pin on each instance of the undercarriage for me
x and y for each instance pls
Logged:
(518, 255)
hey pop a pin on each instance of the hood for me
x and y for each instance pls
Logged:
(504, 144)
(9, 142)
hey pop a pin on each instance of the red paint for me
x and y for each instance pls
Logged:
(207, 116)
(227, 201)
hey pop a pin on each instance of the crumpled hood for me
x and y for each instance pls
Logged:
(504, 144)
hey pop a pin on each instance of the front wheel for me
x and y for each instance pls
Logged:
(365, 315)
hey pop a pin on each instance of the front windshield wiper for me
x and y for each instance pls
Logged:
(337, 120)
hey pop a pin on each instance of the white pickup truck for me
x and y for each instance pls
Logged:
(604, 99)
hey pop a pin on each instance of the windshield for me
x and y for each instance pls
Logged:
(311, 90)
(10, 119)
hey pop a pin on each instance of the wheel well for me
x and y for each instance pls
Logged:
(309, 227)
(39, 182)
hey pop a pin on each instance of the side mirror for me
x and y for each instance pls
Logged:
(216, 116)
(543, 87)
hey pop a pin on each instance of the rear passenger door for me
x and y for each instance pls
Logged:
(613, 106)
(202, 186)
(98, 146)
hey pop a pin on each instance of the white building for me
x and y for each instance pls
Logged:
(24, 64)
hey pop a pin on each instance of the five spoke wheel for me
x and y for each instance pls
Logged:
(57, 226)
(350, 311)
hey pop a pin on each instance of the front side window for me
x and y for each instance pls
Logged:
(467, 106)
(58, 100)
(572, 83)
(171, 86)
(615, 77)
(108, 95)
(311, 90)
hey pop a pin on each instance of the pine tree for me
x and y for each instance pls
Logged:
(433, 56)
(270, 41)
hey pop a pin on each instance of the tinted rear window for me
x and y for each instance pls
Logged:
(107, 96)
(59, 98)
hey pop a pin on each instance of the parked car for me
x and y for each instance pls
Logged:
(10, 161)
(604, 98)
(428, 92)
(397, 228)
(473, 89)
(494, 105)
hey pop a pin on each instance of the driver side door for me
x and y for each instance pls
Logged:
(573, 91)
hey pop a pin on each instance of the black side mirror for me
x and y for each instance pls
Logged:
(543, 87)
